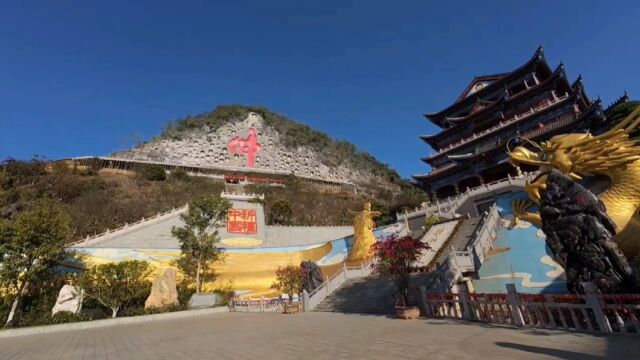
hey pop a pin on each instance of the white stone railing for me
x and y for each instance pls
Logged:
(485, 235)
(241, 196)
(451, 204)
(588, 312)
(258, 305)
(451, 270)
(502, 124)
(126, 228)
(311, 300)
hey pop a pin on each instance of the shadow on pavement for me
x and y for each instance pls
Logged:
(560, 354)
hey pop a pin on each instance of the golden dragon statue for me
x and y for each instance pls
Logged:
(613, 154)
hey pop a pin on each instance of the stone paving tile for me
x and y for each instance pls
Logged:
(314, 336)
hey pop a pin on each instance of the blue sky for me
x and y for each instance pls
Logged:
(81, 77)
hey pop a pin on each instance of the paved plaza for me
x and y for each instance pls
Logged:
(314, 336)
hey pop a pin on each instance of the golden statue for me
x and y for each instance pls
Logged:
(612, 154)
(363, 238)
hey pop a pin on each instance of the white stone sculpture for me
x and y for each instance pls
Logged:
(69, 299)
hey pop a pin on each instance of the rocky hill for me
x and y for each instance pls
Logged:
(254, 138)
(99, 199)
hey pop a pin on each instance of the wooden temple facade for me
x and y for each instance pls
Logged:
(532, 102)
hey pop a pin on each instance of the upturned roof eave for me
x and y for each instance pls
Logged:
(558, 74)
(538, 56)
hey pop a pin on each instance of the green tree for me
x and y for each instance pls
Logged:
(199, 236)
(385, 218)
(281, 213)
(116, 285)
(31, 246)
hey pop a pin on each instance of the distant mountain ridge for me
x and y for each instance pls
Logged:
(249, 137)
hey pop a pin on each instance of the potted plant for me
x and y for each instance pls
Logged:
(395, 259)
(289, 280)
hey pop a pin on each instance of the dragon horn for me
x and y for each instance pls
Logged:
(626, 121)
(623, 126)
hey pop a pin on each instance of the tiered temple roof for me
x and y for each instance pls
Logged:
(533, 102)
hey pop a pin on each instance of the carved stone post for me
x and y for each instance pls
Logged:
(463, 293)
(326, 280)
(512, 296)
(422, 301)
(305, 301)
(591, 298)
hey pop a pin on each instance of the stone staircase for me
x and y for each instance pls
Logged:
(233, 188)
(368, 295)
(365, 296)
(461, 239)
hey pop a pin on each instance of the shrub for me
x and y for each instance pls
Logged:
(281, 213)
(152, 172)
(430, 220)
(226, 292)
(385, 218)
(60, 167)
(116, 285)
(5, 181)
(289, 280)
(185, 291)
(179, 175)
(93, 166)
(64, 317)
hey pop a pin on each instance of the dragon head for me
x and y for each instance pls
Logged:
(559, 153)
(580, 155)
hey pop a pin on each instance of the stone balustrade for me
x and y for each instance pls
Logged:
(449, 205)
(126, 228)
(589, 312)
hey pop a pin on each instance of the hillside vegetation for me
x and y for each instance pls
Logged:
(101, 200)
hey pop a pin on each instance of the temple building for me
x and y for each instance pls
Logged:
(532, 102)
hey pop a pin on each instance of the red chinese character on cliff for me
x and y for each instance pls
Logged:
(242, 221)
(248, 145)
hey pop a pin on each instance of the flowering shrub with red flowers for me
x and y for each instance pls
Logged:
(289, 280)
(395, 259)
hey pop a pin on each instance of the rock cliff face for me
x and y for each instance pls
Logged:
(247, 143)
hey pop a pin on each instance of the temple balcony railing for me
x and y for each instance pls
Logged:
(449, 206)
(503, 124)
(563, 121)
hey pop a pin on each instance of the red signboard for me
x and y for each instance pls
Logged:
(242, 221)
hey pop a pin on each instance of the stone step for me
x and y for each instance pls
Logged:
(364, 296)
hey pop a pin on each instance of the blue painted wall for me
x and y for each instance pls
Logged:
(522, 261)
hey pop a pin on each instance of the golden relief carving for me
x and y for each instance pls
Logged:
(612, 154)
